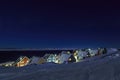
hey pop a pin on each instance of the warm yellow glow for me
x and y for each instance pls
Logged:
(6, 65)
(21, 65)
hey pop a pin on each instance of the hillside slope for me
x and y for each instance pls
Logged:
(99, 68)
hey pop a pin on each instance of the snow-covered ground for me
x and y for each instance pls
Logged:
(104, 67)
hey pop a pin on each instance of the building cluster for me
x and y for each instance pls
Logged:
(65, 57)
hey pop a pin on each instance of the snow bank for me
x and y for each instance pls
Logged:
(101, 68)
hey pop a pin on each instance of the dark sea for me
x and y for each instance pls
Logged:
(14, 55)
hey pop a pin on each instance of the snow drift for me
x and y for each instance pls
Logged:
(105, 67)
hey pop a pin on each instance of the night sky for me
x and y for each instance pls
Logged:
(59, 24)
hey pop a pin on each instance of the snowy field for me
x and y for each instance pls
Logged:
(105, 67)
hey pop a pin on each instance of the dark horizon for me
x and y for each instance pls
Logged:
(13, 55)
(59, 24)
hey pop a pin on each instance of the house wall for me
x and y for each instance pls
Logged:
(23, 62)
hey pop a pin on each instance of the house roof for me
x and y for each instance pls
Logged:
(21, 58)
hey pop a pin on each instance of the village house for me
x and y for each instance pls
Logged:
(34, 60)
(7, 64)
(63, 57)
(22, 61)
(37, 60)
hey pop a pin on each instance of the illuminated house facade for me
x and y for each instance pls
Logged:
(7, 64)
(22, 61)
(51, 58)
